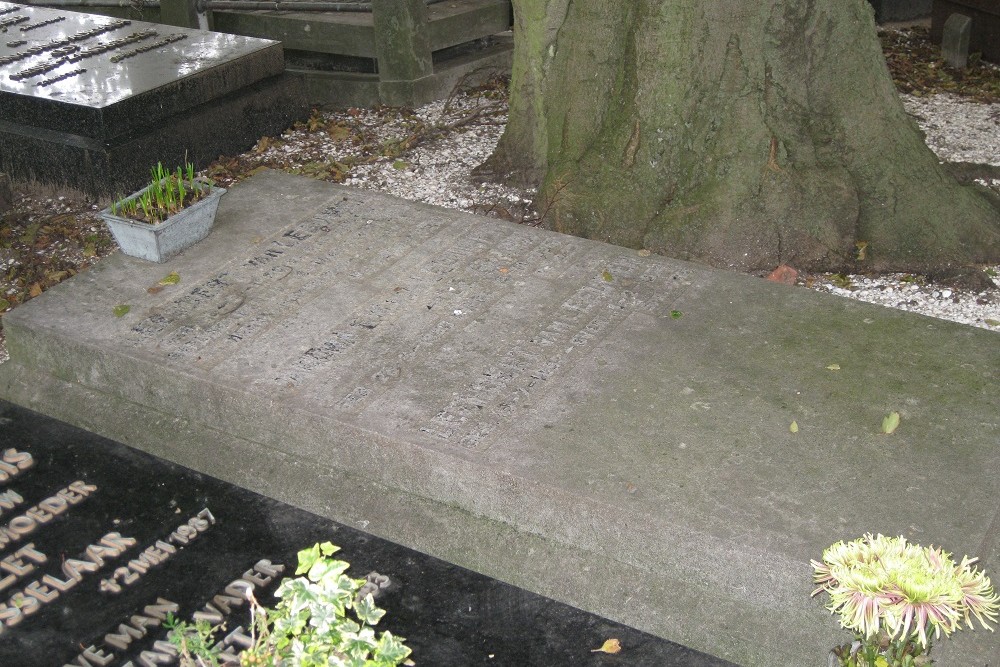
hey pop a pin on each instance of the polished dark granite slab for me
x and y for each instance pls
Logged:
(103, 77)
(92, 102)
(63, 490)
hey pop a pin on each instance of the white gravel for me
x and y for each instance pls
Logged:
(957, 131)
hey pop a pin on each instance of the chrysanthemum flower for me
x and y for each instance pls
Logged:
(884, 583)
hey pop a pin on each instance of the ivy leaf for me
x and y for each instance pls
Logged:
(367, 612)
(391, 648)
(890, 423)
(676, 314)
(306, 559)
(611, 646)
(121, 310)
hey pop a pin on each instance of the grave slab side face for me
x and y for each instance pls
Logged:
(632, 409)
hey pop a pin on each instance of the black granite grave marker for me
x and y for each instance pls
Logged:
(93, 102)
(99, 541)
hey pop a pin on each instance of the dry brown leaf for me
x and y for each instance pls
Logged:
(611, 646)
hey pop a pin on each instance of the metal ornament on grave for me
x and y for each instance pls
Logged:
(83, 92)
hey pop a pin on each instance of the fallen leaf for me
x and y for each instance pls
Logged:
(784, 274)
(121, 310)
(862, 247)
(993, 323)
(4, 304)
(644, 253)
(630, 487)
(833, 367)
(794, 428)
(338, 132)
(504, 269)
(890, 423)
(35, 290)
(155, 289)
(840, 280)
(172, 278)
(400, 165)
(676, 314)
(611, 646)
(607, 276)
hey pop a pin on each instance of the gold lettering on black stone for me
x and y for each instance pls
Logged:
(17, 565)
(156, 553)
(45, 510)
(13, 463)
(125, 636)
(41, 592)
(163, 653)
(9, 499)
(48, 588)
(160, 610)
(75, 568)
(96, 656)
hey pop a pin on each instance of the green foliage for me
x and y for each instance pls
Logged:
(320, 621)
(193, 641)
(881, 652)
(167, 193)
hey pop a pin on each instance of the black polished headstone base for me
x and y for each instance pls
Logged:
(93, 102)
(223, 127)
(448, 615)
(887, 11)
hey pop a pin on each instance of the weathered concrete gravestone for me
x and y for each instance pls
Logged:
(598, 426)
(93, 102)
(955, 41)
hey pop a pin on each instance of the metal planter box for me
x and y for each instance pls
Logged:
(159, 242)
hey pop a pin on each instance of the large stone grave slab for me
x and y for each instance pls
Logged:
(93, 102)
(100, 542)
(601, 427)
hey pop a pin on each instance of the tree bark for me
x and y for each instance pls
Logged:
(744, 135)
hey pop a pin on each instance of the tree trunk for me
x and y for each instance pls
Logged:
(744, 135)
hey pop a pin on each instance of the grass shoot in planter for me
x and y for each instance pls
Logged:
(169, 192)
